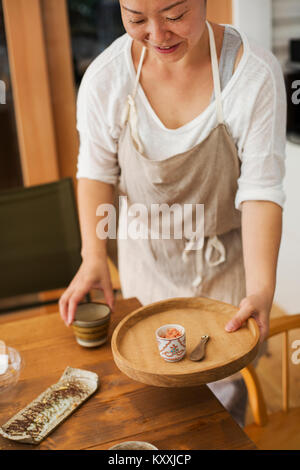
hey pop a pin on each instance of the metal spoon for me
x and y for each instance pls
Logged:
(199, 352)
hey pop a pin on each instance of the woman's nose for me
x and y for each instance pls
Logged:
(157, 33)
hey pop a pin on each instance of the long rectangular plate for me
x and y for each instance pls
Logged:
(38, 419)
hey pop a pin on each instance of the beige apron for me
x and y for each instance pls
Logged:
(157, 269)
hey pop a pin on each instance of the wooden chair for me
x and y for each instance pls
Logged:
(114, 275)
(40, 245)
(281, 430)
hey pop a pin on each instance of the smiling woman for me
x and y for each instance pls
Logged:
(180, 110)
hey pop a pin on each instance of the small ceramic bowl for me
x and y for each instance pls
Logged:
(171, 350)
(91, 324)
(133, 445)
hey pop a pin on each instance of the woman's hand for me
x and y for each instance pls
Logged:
(92, 274)
(257, 306)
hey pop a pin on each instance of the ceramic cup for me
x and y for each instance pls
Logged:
(171, 350)
(133, 445)
(91, 324)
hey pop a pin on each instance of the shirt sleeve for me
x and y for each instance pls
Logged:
(97, 157)
(263, 149)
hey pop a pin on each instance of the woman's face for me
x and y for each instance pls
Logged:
(169, 28)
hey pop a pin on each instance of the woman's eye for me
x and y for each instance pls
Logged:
(176, 19)
(136, 22)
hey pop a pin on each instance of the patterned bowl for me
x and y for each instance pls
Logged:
(171, 350)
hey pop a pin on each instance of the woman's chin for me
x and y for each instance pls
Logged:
(174, 56)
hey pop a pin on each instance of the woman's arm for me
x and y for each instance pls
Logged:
(93, 272)
(261, 231)
(91, 194)
(260, 195)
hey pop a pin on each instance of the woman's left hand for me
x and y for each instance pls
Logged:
(257, 306)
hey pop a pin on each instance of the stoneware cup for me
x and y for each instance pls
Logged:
(171, 350)
(91, 324)
(133, 445)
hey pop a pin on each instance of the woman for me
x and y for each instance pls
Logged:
(179, 110)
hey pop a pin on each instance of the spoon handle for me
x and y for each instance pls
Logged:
(199, 352)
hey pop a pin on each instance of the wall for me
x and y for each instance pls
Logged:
(287, 293)
(286, 25)
(255, 19)
(272, 23)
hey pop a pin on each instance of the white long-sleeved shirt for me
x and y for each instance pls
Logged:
(254, 104)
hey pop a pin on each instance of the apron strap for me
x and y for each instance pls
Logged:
(216, 74)
(130, 108)
(139, 70)
(129, 112)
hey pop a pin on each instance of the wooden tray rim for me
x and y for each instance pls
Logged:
(119, 359)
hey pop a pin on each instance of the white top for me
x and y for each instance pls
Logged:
(254, 106)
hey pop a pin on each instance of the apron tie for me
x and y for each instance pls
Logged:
(130, 114)
(212, 243)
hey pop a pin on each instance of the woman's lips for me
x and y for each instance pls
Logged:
(167, 51)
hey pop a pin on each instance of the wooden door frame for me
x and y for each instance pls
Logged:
(31, 90)
(62, 84)
(220, 11)
(38, 41)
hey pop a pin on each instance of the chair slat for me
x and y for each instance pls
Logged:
(285, 371)
(255, 394)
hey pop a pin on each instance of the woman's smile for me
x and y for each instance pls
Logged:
(167, 49)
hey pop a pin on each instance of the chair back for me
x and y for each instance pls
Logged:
(39, 238)
(281, 325)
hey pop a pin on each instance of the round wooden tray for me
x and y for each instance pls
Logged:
(135, 349)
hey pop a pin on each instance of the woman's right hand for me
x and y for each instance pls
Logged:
(92, 274)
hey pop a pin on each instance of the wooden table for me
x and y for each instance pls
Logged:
(121, 410)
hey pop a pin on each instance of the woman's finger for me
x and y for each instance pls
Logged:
(263, 323)
(264, 332)
(63, 304)
(239, 319)
(73, 302)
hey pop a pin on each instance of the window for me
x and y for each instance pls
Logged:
(95, 24)
(10, 166)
